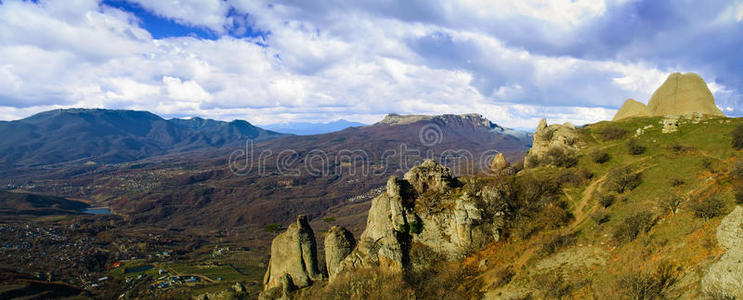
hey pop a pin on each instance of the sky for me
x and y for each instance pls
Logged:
(268, 62)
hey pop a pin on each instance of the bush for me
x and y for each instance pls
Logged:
(737, 135)
(707, 164)
(600, 217)
(607, 200)
(633, 226)
(600, 157)
(547, 134)
(624, 179)
(556, 242)
(612, 133)
(558, 157)
(634, 147)
(554, 285)
(671, 203)
(651, 286)
(712, 207)
(677, 182)
(328, 219)
(739, 194)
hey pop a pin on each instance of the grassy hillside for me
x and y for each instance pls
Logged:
(650, 241)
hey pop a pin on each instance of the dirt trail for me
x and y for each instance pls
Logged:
(580, 216)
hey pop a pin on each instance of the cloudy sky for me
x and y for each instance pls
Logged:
(318, 61)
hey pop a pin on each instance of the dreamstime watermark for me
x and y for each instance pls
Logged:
(358, 162)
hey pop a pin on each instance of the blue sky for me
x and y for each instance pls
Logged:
(317, 61)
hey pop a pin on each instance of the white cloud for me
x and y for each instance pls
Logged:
(358, 64)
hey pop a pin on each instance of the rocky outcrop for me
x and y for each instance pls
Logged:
(499, 163)
(680, 94)
(421, 210)
(339, 243)
(293, 254)
(551, 144)
(631, 108)
(725, 277)
(429, 176)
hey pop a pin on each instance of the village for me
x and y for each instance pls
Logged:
(108, 258)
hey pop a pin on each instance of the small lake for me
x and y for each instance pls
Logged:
(98, 210)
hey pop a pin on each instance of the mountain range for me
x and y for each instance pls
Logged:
(113, 136)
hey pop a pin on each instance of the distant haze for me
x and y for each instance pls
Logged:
(307, 128)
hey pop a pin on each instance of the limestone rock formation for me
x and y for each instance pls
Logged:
(680, 94)
(551, 143)
(293, 253)
(420, 210)
(429, 176)
(339, 243)
(499, 163)
(631, 108)
(725, 277)
(683, 94)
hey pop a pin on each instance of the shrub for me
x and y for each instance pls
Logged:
(547, 134)
(600, 217)
(558, 157)
(612, 133)
(607, 199)
(554, 285)
(651, 286)
(677, 182)
(556, 242)
(737, 135)
(328, 219)
(634, 147)
(624, 179)
(416, 227)
(671, 203)
(680, 149)
(708, 208)
(739, 194)
(737, 170)
(707, 164)
(633, 226)
(600, 157)
(273, 227)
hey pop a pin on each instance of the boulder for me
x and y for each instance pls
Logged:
(339, 243)
(293, 253)
(725, 277)
(683, 94)
(631, 108)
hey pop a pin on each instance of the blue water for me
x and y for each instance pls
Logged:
(98, 211)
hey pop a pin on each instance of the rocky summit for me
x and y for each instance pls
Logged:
(680, 94)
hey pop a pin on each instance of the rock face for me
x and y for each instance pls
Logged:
(339, 243)
(725, 277)
(631, 108)
(550, 142)
(293, 253)
(680, 94)
(420, 210)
